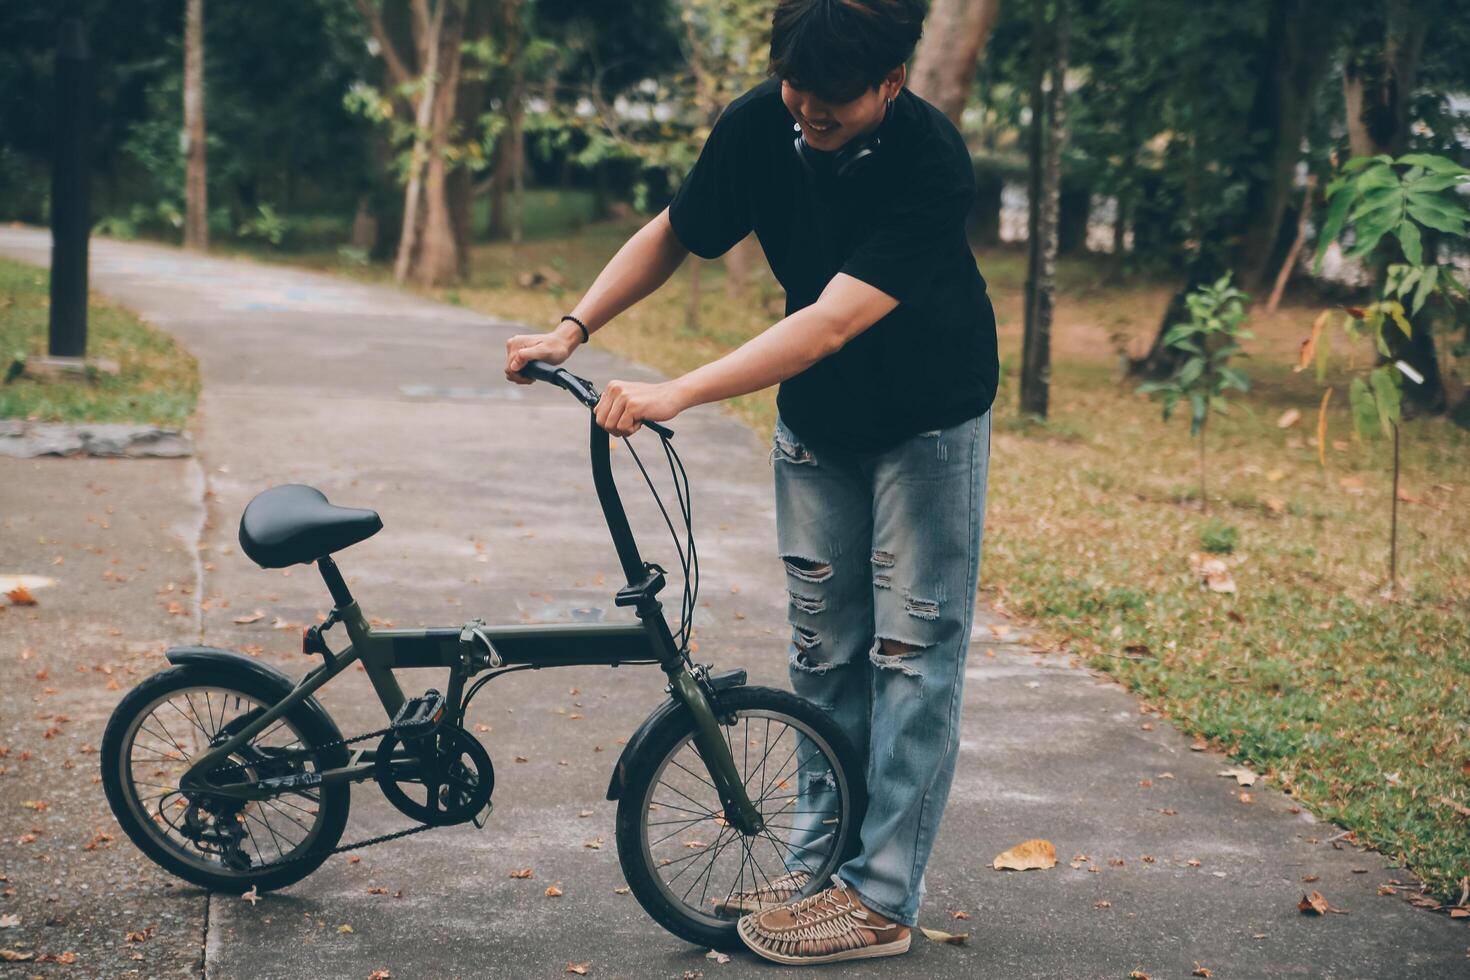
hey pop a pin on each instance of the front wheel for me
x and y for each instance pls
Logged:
(692, 871)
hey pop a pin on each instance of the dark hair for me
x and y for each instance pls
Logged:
(842, 48)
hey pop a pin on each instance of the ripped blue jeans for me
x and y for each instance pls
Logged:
(882, 555)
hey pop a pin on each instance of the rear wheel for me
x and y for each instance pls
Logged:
(686, 864)
(226, 844)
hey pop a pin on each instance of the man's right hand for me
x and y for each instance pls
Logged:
(553, 347)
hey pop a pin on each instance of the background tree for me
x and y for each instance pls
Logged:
(196, 188)
(955, 32)
(1048, 107)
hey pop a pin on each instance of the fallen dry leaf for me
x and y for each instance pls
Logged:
(254, 617)
(717, 956)
(1027, 856)
(940, 936)
(250, 896)
(553, 892)
(15, 956)
(1138, 975)
(1289, 418)
(1202, 971)
(1243, 776)
(380, 975)
(1308, 351)
(580, 969)
(344, 928)
(1315, 904)
(521, 873)
(20, 596)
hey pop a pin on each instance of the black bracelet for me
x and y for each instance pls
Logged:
(582, 326)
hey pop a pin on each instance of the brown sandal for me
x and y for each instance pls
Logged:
(829, 926)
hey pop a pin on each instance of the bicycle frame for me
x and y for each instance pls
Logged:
(519, 646)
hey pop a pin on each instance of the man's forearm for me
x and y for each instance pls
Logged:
(643, 264)
(787, 348)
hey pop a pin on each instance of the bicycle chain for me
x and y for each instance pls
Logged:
(303, 753)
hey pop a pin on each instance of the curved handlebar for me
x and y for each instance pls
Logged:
(582, 389)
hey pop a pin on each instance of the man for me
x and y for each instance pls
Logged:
(858, 191)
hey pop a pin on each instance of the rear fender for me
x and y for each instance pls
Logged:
(229, 659)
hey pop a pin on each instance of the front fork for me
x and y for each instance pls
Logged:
(715, 752)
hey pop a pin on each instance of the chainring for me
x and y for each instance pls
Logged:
(455, 783)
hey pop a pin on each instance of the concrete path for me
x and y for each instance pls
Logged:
(387, 401)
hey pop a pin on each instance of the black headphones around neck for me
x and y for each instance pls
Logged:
(846, 161)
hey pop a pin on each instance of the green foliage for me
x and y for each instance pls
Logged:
(157, 382)
(1382, 197)
(267, 224)
(1382, 201)
(1218, 538)
(1209, 340)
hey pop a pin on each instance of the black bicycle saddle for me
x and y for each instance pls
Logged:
(294, 524)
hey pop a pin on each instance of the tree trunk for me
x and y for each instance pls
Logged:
(1295, 59)
(196, 191)
(428, 246)
(1036, 356)
(955, 32)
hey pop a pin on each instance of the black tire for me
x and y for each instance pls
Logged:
(670, 744)
(123, 751)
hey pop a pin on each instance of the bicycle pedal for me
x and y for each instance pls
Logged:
(419, 716)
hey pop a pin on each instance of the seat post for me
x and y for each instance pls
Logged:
(341, 598)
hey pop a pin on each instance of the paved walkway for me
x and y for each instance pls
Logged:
(392, 402)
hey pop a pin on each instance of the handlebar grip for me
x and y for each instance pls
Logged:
(541, 371)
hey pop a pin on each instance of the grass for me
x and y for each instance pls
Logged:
(158, 382)
(1355, 704)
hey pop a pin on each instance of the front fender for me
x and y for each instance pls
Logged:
(719, 682)
(635, 743)
(216, 657)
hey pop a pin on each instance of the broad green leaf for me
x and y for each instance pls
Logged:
(1367, 241)
(1337, 214)
(1386, 393)
(1197, 414)
(1407, 279)
(1446, 206)
(1438, 220)
(1426, 286)
(1191, 371)
(1377, 176)
(1432, 163)
(1235, 378)
(1429, 185)
(1177, 331)
(1357, 163)
(1365, 411)
(1377, 200)
(1408, 233)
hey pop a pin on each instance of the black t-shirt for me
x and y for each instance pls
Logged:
(897, 222)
